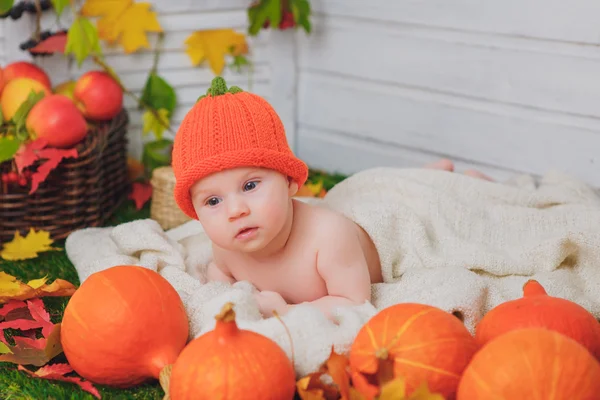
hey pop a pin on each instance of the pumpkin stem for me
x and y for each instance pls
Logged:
(382, 353)
(218, 87)
(227, 314)
(165, 378)
(533, 288)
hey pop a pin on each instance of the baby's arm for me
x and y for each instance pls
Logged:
(342, 265)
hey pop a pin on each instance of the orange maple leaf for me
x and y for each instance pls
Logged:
(13, 289)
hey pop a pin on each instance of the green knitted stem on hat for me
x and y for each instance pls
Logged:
(218, 87)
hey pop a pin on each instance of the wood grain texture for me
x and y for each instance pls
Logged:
(572, 21)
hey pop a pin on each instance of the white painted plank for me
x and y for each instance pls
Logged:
(342, 154)
(485, 133)
(173, 6)
(284, 81)
(170, 20)
(182, 77)
(561, 20)
(532, 79)
(194, 20)
(189, 94)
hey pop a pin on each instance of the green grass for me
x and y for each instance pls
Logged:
(16, 385)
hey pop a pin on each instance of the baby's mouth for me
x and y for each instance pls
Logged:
(244, 232)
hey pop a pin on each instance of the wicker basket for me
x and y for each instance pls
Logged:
(163, 208)
(80, 192)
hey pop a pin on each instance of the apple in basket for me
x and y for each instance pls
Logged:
(98, 95)
(25, 69)
(66, 88)
(16, 92)
(58, 120)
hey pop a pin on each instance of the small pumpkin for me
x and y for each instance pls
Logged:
(531, 363)
(425, 343)
(123, 326)
(537, 309)
(229, 363)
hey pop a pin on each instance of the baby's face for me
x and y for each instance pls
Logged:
(243, 209)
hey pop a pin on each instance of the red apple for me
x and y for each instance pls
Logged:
(16, 93)
(99, 96)
(25, 69)
(57, 119)
(2, 80)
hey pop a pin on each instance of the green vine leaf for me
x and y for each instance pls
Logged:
(157, 154)
(159, 94)
(264, 11)
(59, 6)
(6, 5)
(238, 63)
(301, 12)
(21, 114)
(155, 122)
(8, 148)
(82, 40)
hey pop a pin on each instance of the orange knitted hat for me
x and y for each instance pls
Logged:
(229, 128)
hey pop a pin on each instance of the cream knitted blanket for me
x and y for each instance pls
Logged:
(455, 242)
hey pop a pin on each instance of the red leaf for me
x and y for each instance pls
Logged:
(40, 315)
(27, 153)
(33, 151)
(57, 372)
(141, 193)
(10, 306)
(54, 44)
(54, 157)
(28, 349)
(36, 352)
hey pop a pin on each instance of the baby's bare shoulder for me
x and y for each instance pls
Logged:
(325, 223)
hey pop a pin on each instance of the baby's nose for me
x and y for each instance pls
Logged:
(237, 208)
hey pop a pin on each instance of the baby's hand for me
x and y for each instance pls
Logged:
(270, 301)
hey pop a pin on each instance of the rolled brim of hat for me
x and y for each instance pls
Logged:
(285, 163)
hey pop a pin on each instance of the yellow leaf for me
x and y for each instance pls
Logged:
(423, 393)
(36, 283)
(154, 124)
(9, 285)
(13, 289)
(123, 21)
(22, 248)
(394, 390)
(310, 189)
(213, 45)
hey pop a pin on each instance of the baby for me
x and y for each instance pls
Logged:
(236, 174)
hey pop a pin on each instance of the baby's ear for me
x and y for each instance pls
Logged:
(292, 187)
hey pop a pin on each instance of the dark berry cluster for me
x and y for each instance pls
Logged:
(31, 43)
(26, 6)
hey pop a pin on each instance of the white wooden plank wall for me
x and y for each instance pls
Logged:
(179, 18)
(500, 86)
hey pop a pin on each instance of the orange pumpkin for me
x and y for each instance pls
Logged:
(123, 325)
(537, 309)
(232, 363)
(531, 363)
(425, 343)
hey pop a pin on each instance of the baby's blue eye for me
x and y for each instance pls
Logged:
(250, 185)
(213, 201)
